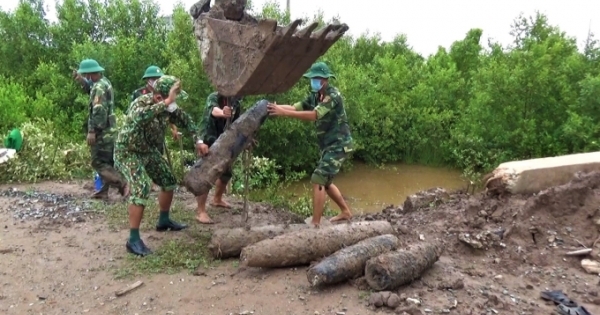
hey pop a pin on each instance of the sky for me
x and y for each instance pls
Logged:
(429, 24)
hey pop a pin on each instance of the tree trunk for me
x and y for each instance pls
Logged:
(535, 175)
(391, 270)
(349, 263)
(203, 175)
(302, 247)
(226, 243)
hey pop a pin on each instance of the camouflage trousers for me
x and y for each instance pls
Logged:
(329, 165)
(102, 153)
(140, 170)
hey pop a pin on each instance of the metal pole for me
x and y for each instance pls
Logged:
(287, 6)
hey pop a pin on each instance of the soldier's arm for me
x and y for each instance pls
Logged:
(298, 106)
(141, 112)
(85, 84)
(99, 118)
(303, 111)
(304, 105)
(213, 107)
(211, 103)
(325, 106)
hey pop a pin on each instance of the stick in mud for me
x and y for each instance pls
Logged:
(227, 243)
(349, 263)
(391, 270)
(302, 247)
(205, 172)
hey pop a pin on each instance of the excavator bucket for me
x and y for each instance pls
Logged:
(242, 59)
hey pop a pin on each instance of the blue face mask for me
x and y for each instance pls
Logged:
(315, 85)
(88, 81)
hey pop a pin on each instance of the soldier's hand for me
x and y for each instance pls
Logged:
(175, 134)
(175, 90)
(275, 110)
(91, 138)
(202, 149)
(226, 111)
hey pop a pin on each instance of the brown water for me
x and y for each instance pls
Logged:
(369, 189)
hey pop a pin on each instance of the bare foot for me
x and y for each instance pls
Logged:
(220, 204)
(316, 225)
(204, 218)
(341, 217)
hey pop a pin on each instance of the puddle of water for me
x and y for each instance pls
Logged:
(368, 189)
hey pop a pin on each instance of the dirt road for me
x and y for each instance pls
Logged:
(63, 254)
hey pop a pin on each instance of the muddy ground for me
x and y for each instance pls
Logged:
(63, 254)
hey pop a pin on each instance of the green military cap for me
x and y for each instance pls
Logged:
(153, 72)
(163, 86)
(89, 66)
(319, 70)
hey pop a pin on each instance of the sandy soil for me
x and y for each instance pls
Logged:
(58, 255)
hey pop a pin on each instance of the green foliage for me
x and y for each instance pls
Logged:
(470, 106)
(45, 156)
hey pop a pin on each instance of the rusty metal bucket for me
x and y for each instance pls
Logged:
(263, 58)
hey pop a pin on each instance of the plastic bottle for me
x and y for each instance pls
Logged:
(97, 182)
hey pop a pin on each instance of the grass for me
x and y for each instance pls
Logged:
(181, 251)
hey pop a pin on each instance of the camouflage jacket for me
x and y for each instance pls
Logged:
(161, 125)
(145, 123)
(333, 130)
(212, 127)
(101, 119)
(139, 92)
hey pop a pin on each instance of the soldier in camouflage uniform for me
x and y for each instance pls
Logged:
(218, 110)
(325, 106)
(152, 74)
(100, 126)
(138, 157)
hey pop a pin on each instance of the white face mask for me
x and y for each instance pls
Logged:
(151, 82)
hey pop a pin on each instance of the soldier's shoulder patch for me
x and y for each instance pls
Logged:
(334, 93)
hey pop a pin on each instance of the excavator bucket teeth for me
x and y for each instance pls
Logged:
(260, 58)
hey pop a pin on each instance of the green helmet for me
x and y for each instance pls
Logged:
(89, 66)
(319, 70)
(153, 72)
(163, 86)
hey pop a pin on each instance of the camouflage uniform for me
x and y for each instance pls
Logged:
(101, 121)
(159, 140)
(139, 92)
(212, 127)
(333, 131)
(137, 154)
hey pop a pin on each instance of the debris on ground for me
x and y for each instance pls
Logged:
(524, 240)
(129, 288)
(39, 205)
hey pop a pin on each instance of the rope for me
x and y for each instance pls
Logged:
(246, 166)
(227, 124)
